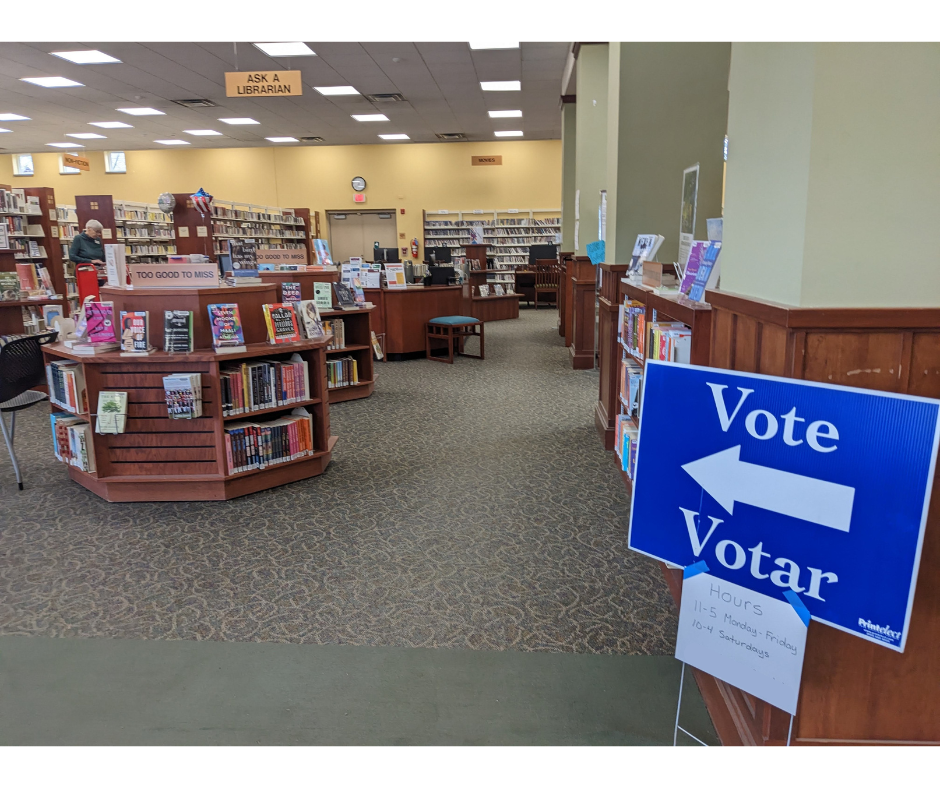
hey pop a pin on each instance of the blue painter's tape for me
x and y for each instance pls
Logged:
(596, 251)
(694, 569)
(793, 598)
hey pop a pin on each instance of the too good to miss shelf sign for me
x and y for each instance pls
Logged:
(175, 275)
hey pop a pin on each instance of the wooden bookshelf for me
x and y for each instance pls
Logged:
(507, 234)
(148, 234)
(162, 459)
(358, 325)
(491, 307)
(67, 220)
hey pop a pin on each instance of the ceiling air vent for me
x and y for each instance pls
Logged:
(311, 139)
(379, 97)
(194, 103)
(455, 136)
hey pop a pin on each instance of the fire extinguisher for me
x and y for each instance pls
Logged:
(414, 248)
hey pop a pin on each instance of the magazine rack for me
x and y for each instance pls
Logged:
(162, 459)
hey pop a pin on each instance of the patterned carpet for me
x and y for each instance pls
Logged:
(467, 507)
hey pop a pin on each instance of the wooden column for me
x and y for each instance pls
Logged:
(563, 296)
(853, 691)
(583, 284)
(189, 223)
(567, 288)
(609, 352)
(100, 207)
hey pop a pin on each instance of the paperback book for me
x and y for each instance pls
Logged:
(376, 347)
(484, 291)
(281, 323)
(322, 250)
(178, 331)
(99, 323)
(135, 335)
(308, 319)
(338, 329)
(260, 385)
(183, 394)
(290, 292)
(27, 276)
(358, 295)
(227, 333)
(253, 445)
(66, 381)
(498, 290)
(344, 297)
(9, 286)
(645, 248)
(112, 412)
(323, 296)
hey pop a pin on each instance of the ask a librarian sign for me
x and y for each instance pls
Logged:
(257, 84)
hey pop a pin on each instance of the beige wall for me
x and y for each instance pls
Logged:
(413, 177)
(591, 139)
(833, 166)
(569, 152)
(668, 109)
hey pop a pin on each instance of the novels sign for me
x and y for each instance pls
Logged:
(175, 275)
(255, 84)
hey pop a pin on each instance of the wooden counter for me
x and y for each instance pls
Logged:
(402, 315)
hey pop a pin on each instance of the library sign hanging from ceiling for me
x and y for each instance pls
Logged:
(257, 84)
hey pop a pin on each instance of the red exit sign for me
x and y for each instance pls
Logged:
(359, 198)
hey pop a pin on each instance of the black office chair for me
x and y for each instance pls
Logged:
(21, 368)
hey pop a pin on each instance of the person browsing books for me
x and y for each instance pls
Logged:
(86, 246)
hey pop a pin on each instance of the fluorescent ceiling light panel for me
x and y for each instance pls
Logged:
(508, 133)
(53, 82)
(11, 116)
(509, 85)
(110, 124)
(282, 139)
(87, 136)
(338, 90)
(394, 136)
(86, 57)
(286, 49)
(240, 121)
(505, 113)
(172, 142)
(64, 145)
(5, 131)
(492, 44)
(203, 132)
(141, 111)
(369, 118)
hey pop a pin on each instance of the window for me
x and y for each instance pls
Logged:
(64, 170)
(22, 163)
(115, 161)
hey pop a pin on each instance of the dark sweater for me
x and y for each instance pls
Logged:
(86, 250)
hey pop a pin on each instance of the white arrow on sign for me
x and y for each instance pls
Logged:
(726, 479)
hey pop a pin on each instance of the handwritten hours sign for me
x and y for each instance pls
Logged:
(255, 84)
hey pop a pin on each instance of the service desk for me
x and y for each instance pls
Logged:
(402, 315)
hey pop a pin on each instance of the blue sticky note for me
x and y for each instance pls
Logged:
(596, 251)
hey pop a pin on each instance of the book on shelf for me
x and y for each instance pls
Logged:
(112, 412)
(498, 289)
(308, 319)
(376, 347)
(341, 372)
(226, 324)
(49, 313)
(645, 248)
(61, 444)
(9, 286)
(627, 441)
(323, 295)
(708, 271)
(358, 295)
(510, 289)
(26, 272)
(177, 331)
(115, 264)
(669, 342)
(321, 249)
(253, 445)
(631, 385)
(99, 323)
(45, 280)
(338, 329)
(633, 330)
(344, 296)
(66, 381)
(290, 292)
(264, 384)
(281, 323)
(135, 333)
(183, 394)
(484, 291)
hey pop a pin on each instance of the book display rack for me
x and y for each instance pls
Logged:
(355, 345)
(491, 306)
(162, 458)
(508, 234)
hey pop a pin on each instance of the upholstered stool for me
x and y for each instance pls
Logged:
(453, 329)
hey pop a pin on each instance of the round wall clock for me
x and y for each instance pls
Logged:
(358, 183)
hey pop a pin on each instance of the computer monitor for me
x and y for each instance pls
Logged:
(437, 254)
(387, 255)
(542, 252)
(441, 274)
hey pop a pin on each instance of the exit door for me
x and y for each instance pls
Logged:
(353, 234)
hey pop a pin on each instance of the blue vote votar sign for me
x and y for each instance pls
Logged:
(785, 485)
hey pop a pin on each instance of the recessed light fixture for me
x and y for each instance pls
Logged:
(508, 133)
(53, 82)
(5, 131)
(509, 85)
(87, 136)
(64, 145)
(240, 121)
(171, 142)
(505, 113)
(368, 118)
(86, 57)
(141, 111)
(338, 90)
(286, 49)
(282, 139)
(394, 136)
(481, 44)
(203, 132)
(110, 124)
(11, 116)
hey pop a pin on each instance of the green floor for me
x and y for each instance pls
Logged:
(71, 691)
